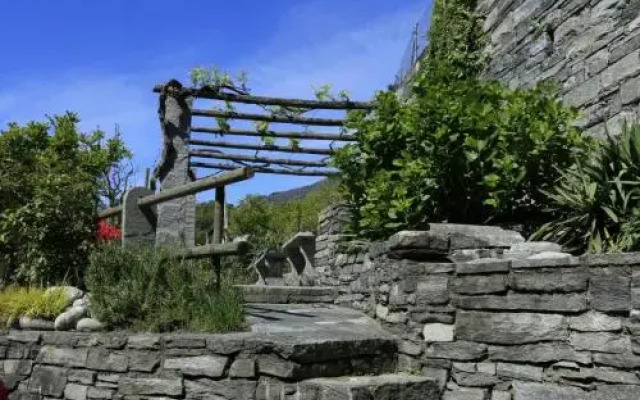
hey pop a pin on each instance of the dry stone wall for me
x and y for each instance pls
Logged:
(491, 317)
(590, 47)
(240, 366)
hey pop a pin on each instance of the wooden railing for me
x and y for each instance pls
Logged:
(139, 216)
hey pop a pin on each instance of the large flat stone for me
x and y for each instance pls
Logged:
(172, 387)
(63, 357)
(48, 381)
(476, 236)
(546, 391)
(201, 366)
(382, 387)
(539, 353)
(472, 285)
(604, 342)
(525, 302)
(594, 321)
(510, 328)
(561, 281)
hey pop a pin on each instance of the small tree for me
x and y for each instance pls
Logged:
(51, 176)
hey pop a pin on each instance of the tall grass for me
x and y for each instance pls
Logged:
(32, 302)
(142, 289)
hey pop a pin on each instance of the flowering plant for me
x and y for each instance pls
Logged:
(107, 232)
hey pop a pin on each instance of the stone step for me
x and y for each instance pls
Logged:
(289, 294)
(382, 387)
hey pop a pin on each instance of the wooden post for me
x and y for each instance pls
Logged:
(218, 227)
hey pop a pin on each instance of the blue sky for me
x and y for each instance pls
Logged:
(102, 58)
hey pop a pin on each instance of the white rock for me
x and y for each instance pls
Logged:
(82, 302)
(69, 319)
(438, 333)
(89, 325)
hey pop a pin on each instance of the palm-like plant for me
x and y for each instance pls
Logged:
(596, 204)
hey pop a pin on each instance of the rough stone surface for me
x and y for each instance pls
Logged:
(510, 328)
(202, 366)
(89, 325)
(69, 319)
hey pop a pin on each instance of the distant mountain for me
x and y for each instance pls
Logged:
(295, 194)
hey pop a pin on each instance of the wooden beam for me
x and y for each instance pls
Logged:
(268, 170)
(241, 157)
(263, 147)
(239, 174)
(267, 118)
(274, 134)
(110, 212)
(211, 93)
(209, 250)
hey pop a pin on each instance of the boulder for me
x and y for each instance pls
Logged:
(35, 324)
(89, 325)
(69, 319)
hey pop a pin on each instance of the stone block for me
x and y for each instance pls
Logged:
(482, 284)
(525, 302)
(103, 360)
(546, 282)
(243, 368)
(48, 381)
(138, 224)
(433, 290)
(63, 357)
(144, 342)
(130, 386)
(476, 236)
(546, 391)
(200, 366)
(475, 379)
(626, 67)
(458, 350)
(73, 391)
(594, 321)
(510, 328)
(626, 360)
(464, 394)
(483, 266)
(630, 91)
(143, 361)
(617, 392)
(417, 245)
(610, 293)
(100, 393)
(18, 367)
(549, 262)
(227, 390)
(83, 376)
(438, 332)
(520, 372)
(604, 342)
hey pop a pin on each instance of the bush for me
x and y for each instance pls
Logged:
(461, 149)
(32, 302)
(50, 177)
(141, 289)
(595, 206)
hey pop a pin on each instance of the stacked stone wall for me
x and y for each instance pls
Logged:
(522, 322)
(591, 48)
(241, 366)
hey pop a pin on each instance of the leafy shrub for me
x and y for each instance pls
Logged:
(32, 302)
(595, 205)
(142, 289)
(461, 149)
(50, 177)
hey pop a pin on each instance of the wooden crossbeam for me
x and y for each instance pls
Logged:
(267, 170)
(263, 147)
(213, 94)
(267, 118)
(274, 134)
(258, 159)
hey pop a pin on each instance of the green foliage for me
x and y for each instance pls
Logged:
(595, 206)
(32, 302)
(142, 289)
(51, 178)
(461, 149)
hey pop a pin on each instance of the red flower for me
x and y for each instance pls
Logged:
(107, 232)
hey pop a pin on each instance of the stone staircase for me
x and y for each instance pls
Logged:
(285, 301)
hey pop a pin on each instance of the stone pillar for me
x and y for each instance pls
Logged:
(176, 218)
(138, 225)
